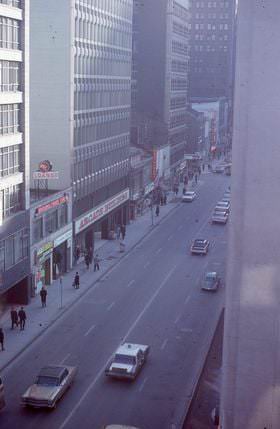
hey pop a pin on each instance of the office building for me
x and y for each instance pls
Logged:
(80, 106)
(14, 150)
(160, 78)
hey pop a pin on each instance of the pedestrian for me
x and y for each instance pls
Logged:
(77, 253)
(123, 231)
(118, 231)
(165, 199)
(90, 255)
(96, 261)
(157, 210)
(87, 260)
(2, 337)
(195, 178)
(76, 282)
(43, 295)
(22, 318)
(184, 191)
(176, 191)
(203, 167)
(161, 200)
(14, 317)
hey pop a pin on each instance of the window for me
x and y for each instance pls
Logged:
(9, 76)
(13, 3)
(9, 160)
(10, 199)
(37, 230)
(51, 222)
(62, 214)
(9, 33)
(9, 252)
(9, 119)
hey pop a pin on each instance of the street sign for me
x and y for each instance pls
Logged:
(49, 175)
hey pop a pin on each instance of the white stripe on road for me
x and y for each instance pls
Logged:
(131, 283)
(90, 329)
(177, 319)
(142, 385)
(158, 251)
(164, 344)
(110, 306)
(98, 375)
(65, 358)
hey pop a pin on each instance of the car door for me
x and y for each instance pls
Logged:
(64, 381)
(2, 397)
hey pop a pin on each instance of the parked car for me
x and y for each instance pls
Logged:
(188, 197)
(211, 281)
(2, 395)
(223, 204)
(50, 385)
(200, 246)
(219, 217)
(219, 169)
(127, 361)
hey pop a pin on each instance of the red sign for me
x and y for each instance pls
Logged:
(45, 166)
(52, 204)
(101, 211)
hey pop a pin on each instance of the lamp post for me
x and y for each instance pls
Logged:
(61, 291)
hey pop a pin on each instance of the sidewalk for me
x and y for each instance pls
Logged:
(38, 318)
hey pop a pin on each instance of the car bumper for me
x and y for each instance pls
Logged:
(123, 376)
(198, 252)
(37, 404)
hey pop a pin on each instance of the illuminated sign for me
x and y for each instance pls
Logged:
(101, 211)
(52, 204)
(38, 175)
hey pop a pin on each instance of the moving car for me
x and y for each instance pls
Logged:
(2, 396)
(219, 217)
(189, 196)
(219, 169)
(50, 385)
(128, 361)
(224, 204)
(211, 282)
(200, 246)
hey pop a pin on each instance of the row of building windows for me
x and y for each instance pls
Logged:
(115, 8)
(212, 15)
(99, 148)
(13, 3)
(178, 102)
(211, 27)
(178, 84)
(9, 119)
(180, 11)
(179, 66)
(211, 37)
(14, 249)
(9, 33)
(223, 4)
(209, 48)
(9, 160)
(10, 201)
(9, 76)
(101, 100)
(51, 222)
(179, 48)
(180, 29)
(177, 120)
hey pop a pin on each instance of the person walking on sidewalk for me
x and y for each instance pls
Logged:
(43, 295)
(157, 210)
(76, 282)
(165, 199)
(96, 261)
(14, 318)
(2, 337)
(22, 318)
(90, 255)
(123, 231)
(87, 260)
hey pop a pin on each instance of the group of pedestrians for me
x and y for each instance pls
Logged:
(18, 318)
(120, 232)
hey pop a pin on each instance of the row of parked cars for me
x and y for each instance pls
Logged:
(222, 209)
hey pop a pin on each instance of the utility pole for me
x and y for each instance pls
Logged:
(61, 291)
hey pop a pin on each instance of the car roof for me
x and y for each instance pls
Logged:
(222, 203)
(51, 371)
(211, 274)
(200, 240)
(128, 349)
(189, 193)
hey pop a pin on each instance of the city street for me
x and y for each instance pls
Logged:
(151, 297)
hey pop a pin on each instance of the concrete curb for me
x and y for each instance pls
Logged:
(200, 371)
(85, 291)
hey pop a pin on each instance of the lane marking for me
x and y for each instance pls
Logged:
(110, 306)
(89, 330)
(170, 237)
(147, 264)
(101, 371)
(130, 283)
(158, 251)
(177, 319)
(164, 344)
(65, 358)
(143, 384)
(187, 300)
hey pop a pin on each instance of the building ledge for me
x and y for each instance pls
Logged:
(10, 140)
(10, 97)
(10, 55)
(11, 12)
(12, 180)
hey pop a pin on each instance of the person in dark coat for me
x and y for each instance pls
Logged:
(43, 295)
(157, 210)
(96, 261)
(87, 260)
(14, 318)
(165, 199)
(90, 255)
(2, 337)
(77, 281)
(22, 318)
(123, 231)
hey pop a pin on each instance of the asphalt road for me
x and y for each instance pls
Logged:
(152, 297)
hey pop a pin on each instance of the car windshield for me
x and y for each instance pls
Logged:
(43, 380)
(124, 359)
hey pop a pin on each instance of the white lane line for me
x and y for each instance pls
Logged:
(131, 283)
(89, 330)
(110, 306)
(147, 264)
(170, 237)
(187, 300)
(101, 371)
(164, 344)
(142, 385)
(65, 358)
(158, 251)
(177, 319)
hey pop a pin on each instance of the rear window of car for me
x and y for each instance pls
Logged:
(124, 359)
(47, 381)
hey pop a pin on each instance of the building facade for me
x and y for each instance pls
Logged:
(14, 150)
(160, 76)
(86, 128)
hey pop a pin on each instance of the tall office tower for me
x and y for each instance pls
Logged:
(14, 150)
(212, 48)
(160, 78)
(80, 106)
(251, 366)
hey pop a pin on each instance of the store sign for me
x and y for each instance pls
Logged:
(182, 165)
(149, 188)
(46, 248)
(45, 175)
(66, 236)
(100, 211)
(52, 204)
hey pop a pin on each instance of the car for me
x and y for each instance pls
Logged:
(211, 281)
(219, 169)
(224, 204)
(127, 361)
(219, 217)
(2, 396)
(200, 246)
(189, 196)
(50, 385)
(225, 200)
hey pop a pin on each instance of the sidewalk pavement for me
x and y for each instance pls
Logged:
(38, 318)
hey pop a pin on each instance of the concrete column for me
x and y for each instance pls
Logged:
(251, 365)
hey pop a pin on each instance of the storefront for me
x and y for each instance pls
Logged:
(102, 220)
(42, 266)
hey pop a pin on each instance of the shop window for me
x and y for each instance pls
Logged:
(51, 221)
(62, 213)
(37, 230)
(9, 252)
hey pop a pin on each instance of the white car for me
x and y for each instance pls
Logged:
(219, 217)
(224, 205)
(2, 396)
(127, 361)
(188, 197)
